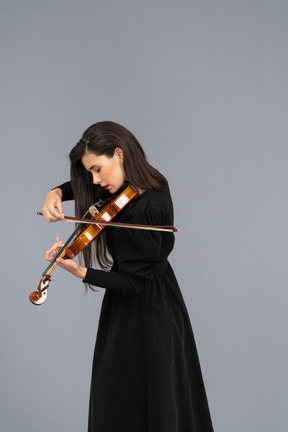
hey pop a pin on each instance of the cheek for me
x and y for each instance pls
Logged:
(122, 173)
(118, 172)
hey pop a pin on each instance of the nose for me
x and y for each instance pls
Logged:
(96, 178)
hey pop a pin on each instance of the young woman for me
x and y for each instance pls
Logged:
(146, 375)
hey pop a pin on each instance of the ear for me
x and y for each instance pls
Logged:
(119, 153)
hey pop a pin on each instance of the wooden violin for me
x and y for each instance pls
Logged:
(82, 237)
(79, 240)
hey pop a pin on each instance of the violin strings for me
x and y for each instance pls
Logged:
(70, 239)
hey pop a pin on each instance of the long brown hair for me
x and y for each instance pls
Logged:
(102, 138)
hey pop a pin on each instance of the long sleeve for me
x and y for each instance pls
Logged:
(67, 192)
(139, 256)
(111, 280)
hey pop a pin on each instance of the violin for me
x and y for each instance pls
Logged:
(82, 237)
(79, 240)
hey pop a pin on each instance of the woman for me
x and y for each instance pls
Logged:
(146, 374)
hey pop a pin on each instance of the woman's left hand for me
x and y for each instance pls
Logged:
(67, 264)
(72, 267)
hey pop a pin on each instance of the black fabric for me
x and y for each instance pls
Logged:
(146, 375)
(67, 191)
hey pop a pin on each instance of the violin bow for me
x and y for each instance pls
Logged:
(165, 228)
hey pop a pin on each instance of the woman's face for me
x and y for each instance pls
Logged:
(108, 172)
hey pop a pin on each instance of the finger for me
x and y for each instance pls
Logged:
(49, 216)
(48, 256)
(60, 208)
(52, 215)
(54, 250)
(57, 210)
(56, 246)
(56, 213)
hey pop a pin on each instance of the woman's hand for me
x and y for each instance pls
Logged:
(52, 252)
(52, 209)
(67, 264)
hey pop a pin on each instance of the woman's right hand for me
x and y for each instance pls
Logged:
(52, 209)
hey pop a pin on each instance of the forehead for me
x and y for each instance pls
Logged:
(89, 160)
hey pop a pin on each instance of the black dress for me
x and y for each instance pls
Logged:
(146, 375)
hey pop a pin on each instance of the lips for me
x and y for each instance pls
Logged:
(105, 187)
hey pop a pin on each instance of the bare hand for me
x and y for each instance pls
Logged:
(52, 209)
(67, 264)
(52, 252)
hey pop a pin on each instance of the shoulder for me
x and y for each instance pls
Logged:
(153, 206)
(158, 198)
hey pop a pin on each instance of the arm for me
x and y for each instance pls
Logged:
(52, 208)
(141, 256)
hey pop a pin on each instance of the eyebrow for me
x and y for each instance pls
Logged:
(93, 166)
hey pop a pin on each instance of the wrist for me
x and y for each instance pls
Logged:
(81, 272)
(58, 191)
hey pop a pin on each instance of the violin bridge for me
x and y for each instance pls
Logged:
(93, 210)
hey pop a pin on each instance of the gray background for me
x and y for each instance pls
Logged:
(203, 85)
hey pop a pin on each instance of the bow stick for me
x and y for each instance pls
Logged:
(166, 228)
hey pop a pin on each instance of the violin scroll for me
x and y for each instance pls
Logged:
(40, 296)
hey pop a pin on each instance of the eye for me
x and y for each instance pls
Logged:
(98, 170)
